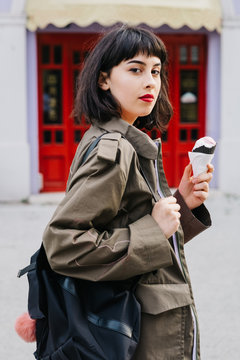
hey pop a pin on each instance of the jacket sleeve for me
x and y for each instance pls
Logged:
(77, 243)
(195, 221)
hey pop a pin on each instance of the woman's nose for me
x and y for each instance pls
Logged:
(149, 81)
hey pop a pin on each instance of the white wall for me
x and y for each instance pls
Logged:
(14, 149)
(229, 145)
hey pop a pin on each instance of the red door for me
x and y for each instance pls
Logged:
(60, 56)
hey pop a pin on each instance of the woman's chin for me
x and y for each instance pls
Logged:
(145, 113)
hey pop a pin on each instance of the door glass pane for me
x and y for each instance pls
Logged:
(194, 134)
(45, 54)
(47, 136)
(183, 54)
(189, 96)
(52, 96)
(183, 135)
(76, 57)
(59, 136)
(57, 54)
(194, 54)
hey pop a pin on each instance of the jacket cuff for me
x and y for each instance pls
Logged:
(195, 221)
(150, 244)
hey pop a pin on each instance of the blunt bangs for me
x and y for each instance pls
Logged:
(130, 42)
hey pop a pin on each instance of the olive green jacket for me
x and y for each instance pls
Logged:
(103, 228)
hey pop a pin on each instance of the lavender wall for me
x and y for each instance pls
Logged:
(213, 96)
(32, 110)
(5, 6)
(236, 4)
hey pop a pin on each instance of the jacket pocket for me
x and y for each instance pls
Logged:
(158, 298)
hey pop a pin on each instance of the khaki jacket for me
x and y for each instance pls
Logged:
(103, 230)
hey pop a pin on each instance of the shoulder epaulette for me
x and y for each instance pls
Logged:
(108, 146)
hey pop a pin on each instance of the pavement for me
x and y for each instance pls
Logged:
(213, 260)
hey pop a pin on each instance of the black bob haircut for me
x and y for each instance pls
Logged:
(120, 44)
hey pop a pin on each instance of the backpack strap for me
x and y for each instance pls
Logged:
(91, 147)
(25, 270)
(33, 262)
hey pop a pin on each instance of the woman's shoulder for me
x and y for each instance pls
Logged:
(111, 155)
(108, 143)
(102, 149)
(113, 144)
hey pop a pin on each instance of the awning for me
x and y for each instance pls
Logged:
(174, 13)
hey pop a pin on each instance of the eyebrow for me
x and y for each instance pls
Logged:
(141, 62)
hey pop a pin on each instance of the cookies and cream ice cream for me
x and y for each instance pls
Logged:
(202, 154)
(205, 145)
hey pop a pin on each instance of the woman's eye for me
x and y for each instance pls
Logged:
(135, 70)
(156, 72)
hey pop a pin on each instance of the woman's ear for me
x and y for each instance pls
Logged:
(103, 81)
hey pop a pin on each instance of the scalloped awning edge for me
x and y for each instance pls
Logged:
(64, 12)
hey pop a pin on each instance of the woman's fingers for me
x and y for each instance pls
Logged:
(202, 195)
(167, 215)
(201, 190)
(210, 168)
(204, 186)
(205, 177)
(170, 200)
(187, 172)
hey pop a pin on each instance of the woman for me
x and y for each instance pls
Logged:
(108, 227)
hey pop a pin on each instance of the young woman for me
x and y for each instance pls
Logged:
(108, 227)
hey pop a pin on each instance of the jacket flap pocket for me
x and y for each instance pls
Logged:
(157, 298)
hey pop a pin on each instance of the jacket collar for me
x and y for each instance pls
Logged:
(141, 142)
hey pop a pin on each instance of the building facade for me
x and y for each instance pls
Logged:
(43, 47)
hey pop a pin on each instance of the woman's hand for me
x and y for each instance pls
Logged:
(166, 213)
(195, 190)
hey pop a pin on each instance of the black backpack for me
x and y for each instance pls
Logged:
(78, 319)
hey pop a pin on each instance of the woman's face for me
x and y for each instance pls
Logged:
(135, 84)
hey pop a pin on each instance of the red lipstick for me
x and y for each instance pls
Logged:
(147, 98)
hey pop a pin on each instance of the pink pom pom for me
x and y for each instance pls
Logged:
(26, 327)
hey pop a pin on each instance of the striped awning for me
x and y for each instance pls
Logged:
(155, 13)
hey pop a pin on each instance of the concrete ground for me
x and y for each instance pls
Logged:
(213, 259)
